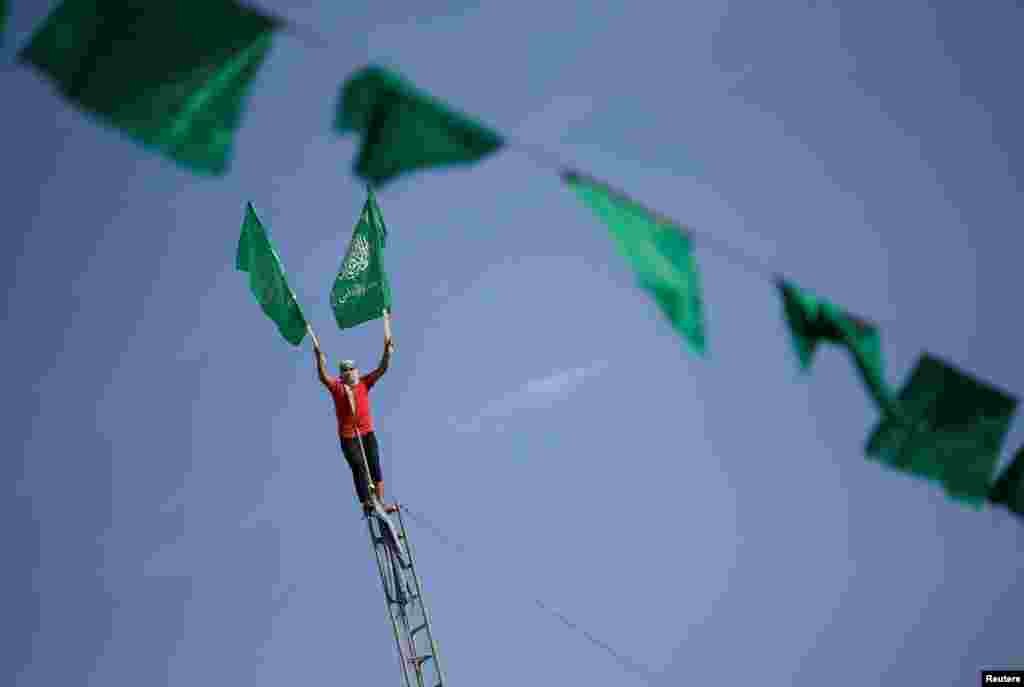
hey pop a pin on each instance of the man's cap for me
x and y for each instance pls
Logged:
(347, 365)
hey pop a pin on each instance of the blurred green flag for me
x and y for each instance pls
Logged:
(812, 320)
(361, 291)
(3, 19)
(1009, 488)
(660, 253)
(404, 129)
(266, 279)
(950, 428)
(171, 75)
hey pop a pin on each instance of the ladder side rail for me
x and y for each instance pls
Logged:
(420, 600)
(387, 601)
(403, 615)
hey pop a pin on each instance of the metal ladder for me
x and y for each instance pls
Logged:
(403, 592)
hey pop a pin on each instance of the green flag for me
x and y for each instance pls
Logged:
(266, 279)
(361, 291)
(1009, 488)
(171, 75)
(660, 252)
(3, 19)
(404, 129)
(812, 320)
(950, 428)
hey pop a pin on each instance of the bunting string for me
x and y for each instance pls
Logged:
(624, 661)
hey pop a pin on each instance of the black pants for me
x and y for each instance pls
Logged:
(350, 447)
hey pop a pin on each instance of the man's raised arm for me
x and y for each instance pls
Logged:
(321, 365)
(385, 360)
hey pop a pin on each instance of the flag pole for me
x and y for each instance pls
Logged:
(387, 327)
(350, 395)
(312, 334)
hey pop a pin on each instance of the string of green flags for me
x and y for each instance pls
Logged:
(175, 78)
(660, 254)
(950, 428)
(404, 129)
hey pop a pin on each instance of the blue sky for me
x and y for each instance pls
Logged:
(178, 511)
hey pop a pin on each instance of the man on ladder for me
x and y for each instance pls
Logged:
(351, 394)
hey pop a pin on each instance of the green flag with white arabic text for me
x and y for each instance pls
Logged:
(173, 75)
(361, 291)
(660, 252)
(266, 279)
(404, 129)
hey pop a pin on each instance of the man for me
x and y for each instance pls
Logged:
(355, 429)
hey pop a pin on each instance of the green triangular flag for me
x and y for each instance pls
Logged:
(404, 129)
(660, 252)
(361, 291)
(812, 320)
(950, 428)
(1009, 488)
(171, 75)
(266, 278)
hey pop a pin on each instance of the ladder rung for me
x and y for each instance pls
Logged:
(413, 631)
(420, 660)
